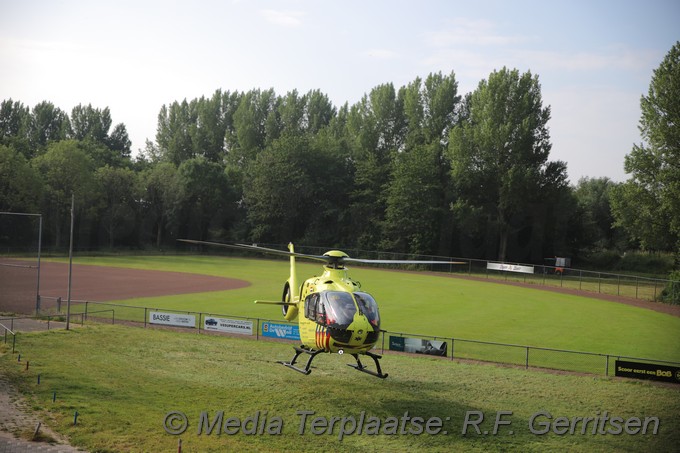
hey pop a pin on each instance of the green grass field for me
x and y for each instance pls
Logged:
(436, 305)
(123, 381)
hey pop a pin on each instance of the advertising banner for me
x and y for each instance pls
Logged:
(418, 346)
(284, 331)
(639, 370)
(510, 268)
(239, 326)
(172, 319)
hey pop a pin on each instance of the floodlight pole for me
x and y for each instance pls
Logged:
(70, 265)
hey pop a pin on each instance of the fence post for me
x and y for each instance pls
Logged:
(257, 329)
(526, 366)
(59, 304)
(606, 369)
(599, 282)
(86, 302)
(14, 342)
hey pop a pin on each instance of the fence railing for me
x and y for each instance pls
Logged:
(14, 336)
(528, 356)
(49, 321)
(456, 348)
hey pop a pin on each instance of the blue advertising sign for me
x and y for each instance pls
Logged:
(277, 330)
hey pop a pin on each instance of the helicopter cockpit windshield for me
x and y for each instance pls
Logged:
(340, 308)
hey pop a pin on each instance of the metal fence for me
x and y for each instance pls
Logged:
(528, 356)
(456, 348)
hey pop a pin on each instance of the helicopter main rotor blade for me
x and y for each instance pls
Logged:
(256, 248)
(359, 260)
(322, 258)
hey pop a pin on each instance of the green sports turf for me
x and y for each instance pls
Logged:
(436, 305)
(124, 381)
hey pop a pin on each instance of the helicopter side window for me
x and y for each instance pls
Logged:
(368, 307)
(340, 308)
(311, 303)
(320, 312)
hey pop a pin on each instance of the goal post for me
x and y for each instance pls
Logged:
(20, 254)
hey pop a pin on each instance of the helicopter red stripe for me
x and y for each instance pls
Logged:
(319, 336)
(322, 337)
(318, 342)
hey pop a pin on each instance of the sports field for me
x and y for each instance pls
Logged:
(129, 384)
(430, 304)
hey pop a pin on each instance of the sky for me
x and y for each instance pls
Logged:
(594, 59)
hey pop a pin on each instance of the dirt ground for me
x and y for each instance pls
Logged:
(96, 283)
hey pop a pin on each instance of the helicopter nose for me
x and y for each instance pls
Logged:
(361, 329)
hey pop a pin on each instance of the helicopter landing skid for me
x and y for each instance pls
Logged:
(312, 353)
(359, 366)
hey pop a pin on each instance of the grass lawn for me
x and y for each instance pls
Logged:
(123, 381)
(436, 305)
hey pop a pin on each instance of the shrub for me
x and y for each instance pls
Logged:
(671, 293)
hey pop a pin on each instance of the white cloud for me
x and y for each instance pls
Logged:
(381, 54)
(621, 59)
(283, 18)
(471, 32)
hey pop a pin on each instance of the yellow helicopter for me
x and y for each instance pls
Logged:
(334, 314)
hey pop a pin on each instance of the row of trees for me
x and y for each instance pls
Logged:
(418, 169)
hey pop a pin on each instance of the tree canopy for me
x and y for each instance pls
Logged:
(499, 154)
(416, 169)
(647, 206)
